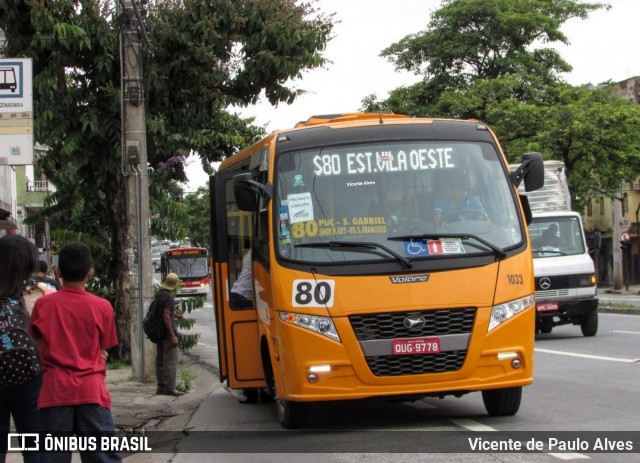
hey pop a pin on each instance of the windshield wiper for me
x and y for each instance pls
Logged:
(550, 251)
(463, 236)
(356, 244)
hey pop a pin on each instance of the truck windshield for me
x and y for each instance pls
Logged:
(414, 200)
(554, 236)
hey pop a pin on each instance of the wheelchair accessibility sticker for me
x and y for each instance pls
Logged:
(419, 248)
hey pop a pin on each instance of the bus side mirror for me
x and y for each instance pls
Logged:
(526, 209)
(246, 191)
(531, 171)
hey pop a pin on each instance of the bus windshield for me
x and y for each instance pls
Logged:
(394, 200)
(187, 267)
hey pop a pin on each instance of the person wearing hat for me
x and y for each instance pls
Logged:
(167, 350)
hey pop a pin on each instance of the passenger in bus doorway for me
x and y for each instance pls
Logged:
(241, 294)
(167, 350)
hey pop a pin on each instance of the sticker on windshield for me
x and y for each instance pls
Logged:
(300, 207)
(418, 248)
(298, 180)
(415, 248)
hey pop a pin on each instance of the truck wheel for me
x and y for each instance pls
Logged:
(545, 329)
(290, 414)
(589, 324)
(502, 402)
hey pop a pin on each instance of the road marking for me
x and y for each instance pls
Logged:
(625, 332)
(472, 425)
(587, 356)
(569, 456)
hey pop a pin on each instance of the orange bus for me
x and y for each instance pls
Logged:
(386, 256)
(191, 264)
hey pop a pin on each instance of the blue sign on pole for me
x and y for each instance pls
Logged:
(16, 112)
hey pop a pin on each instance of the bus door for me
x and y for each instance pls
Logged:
(235, 311)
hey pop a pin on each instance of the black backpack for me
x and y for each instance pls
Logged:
(19, 359)
(153, 324)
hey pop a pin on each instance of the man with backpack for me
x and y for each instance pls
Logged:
(167, 348)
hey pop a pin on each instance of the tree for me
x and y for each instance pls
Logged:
(468, 40)
(197, 207)
(597, 135)
(204, 56)
(479, 61)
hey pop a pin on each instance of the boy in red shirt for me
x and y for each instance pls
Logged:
(74, 328)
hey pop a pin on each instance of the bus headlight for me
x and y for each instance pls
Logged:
(320, 325)
(503, 312)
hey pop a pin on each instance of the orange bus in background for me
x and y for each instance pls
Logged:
(389, 257)
(192, 267)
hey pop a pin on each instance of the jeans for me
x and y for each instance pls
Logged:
(89, 419)
(20, 402)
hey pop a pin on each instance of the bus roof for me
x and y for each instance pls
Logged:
(338, 120)
(185, 251)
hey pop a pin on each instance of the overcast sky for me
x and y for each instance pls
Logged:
(605, 46)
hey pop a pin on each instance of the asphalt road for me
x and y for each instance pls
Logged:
(586, 385)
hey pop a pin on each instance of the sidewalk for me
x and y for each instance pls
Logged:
(614, 304)
(137, 409)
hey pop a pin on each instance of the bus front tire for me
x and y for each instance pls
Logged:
(502, 402)
(290, 414)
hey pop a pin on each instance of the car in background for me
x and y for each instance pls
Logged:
(155, 259)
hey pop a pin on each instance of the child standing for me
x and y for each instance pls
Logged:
(74, 328)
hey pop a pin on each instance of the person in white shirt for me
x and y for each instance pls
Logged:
(241, 294)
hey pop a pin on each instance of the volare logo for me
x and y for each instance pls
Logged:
(397, 280)
(25, 441)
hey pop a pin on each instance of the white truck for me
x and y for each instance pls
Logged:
(565, 278)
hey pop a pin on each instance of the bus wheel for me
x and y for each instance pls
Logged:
(290, 414)
(589, 324)
(251, 395)
(265, 396)
(502, 402)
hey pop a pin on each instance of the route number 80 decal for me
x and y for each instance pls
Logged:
(313, 293)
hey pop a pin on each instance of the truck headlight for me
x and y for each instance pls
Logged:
(587, 280)
(503, 312)
(320, 325)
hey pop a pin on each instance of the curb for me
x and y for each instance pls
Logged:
(619, 310)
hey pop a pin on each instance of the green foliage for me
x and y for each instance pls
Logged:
(197, 209)
(467, 39)
(484, 60)
(187, 305)
(115, 364)
(185, 380)
(101, 284)
(597, 135)
(204, 56)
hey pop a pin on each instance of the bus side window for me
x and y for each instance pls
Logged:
(239, 243)
(241, 294)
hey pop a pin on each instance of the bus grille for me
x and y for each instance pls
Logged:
(397, 365)
(391, 325)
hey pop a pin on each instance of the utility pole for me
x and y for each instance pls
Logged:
(134, 164)
(615, 242)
